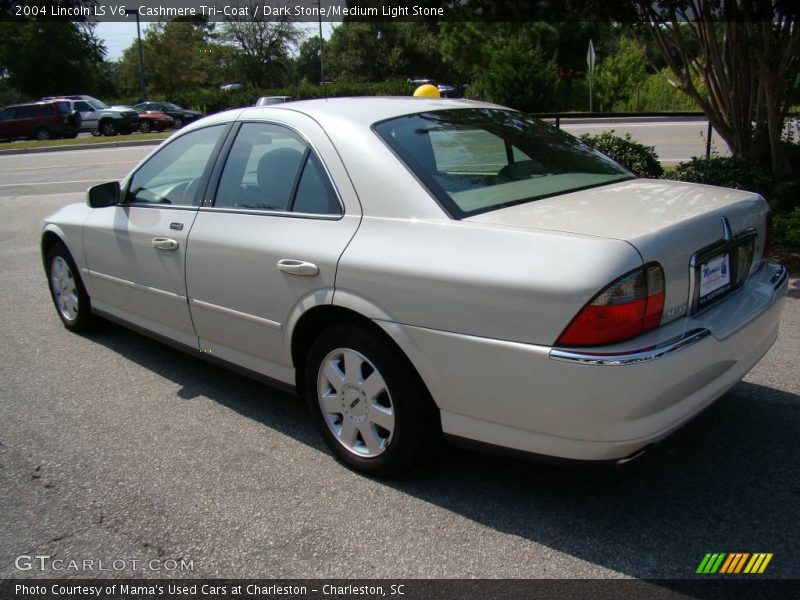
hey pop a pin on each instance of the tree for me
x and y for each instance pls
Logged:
(747, 58)
(307, 63)
(48, 58)
(619, 76)
(264, 46)
(177, 56)
(520, 75)
(376, 51)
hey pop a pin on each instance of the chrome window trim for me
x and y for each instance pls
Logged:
(272, 213)
(634, 356)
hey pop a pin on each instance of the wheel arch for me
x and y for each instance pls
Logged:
(50, 236)
(316, 319)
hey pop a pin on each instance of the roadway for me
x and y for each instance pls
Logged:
(113, 446)
(674, 140)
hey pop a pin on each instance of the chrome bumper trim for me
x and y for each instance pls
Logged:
(634, 357)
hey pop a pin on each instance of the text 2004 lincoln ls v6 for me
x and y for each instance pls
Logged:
(417, 266)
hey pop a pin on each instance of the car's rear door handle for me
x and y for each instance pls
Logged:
(298, 267)
(164, 243)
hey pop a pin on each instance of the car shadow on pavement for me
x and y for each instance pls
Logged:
(727, 482)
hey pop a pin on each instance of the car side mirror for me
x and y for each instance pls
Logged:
(105, 194)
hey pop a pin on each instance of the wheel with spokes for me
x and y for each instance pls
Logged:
(371, 407)
(66, 288)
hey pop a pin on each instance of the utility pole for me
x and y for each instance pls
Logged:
(590, 61)
(141, 60)
(321, 72)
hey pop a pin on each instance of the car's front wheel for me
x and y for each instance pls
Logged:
(108, 128)
(145, 127)
(66, 288)
(178, 123)
(43, 133)
(370, 405)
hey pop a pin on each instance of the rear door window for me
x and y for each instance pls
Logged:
(271, 168)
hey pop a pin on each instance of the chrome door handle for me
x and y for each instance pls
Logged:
(164, 244)
(298, 267)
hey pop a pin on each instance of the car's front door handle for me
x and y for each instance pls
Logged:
(298, 267)
(165, 244)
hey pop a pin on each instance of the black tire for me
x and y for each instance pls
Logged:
(178, 123)
(84, 320)
(43, 133)
(145, 127)
(108, 127)
(416, 427)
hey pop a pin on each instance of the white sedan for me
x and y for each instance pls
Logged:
(419, 266)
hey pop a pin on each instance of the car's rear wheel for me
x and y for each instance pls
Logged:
(66, 288)
(178, 123)
(108, 128)
(145, 127)
(43, 133)
(371, 407)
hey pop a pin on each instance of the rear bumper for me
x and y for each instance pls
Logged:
(601, 404)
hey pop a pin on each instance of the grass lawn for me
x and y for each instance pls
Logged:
(83, 141)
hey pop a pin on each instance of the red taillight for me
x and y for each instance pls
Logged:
(628, 307)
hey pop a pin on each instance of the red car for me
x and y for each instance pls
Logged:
(39, 120)
(154, 121)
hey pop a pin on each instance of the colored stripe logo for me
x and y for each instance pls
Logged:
(735, 562)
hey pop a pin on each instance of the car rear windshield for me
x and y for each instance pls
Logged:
(479, 160)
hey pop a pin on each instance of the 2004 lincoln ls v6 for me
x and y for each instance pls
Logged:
(417, 266)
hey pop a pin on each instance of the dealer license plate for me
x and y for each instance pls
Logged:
(715, 279)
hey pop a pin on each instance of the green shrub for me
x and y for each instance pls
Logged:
(787, 228)
(725, 171)
(641, 160)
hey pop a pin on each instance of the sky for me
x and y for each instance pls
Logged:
(118, 36)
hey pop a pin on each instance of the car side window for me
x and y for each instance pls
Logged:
(7, 114)
(24, 112)
(261, 169)
(172, 175)
(315, 194)
(83, 107)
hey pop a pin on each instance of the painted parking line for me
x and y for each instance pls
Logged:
(72, 166)
(6, 185)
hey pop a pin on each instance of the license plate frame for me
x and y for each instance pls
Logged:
(714, 279)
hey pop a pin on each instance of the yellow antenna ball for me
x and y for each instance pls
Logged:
(427, 91)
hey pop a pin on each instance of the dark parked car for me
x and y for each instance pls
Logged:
(182, 116)
(39, 120)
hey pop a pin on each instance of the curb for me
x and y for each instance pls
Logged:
(68, 147)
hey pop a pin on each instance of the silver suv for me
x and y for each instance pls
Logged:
(100, 118)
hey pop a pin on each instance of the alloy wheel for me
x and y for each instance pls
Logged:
(65, 288)
(355, 403)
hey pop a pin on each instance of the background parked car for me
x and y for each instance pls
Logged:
(100, 118)
(39, 120)
(269, 100)
(181, 116)
(154, 121)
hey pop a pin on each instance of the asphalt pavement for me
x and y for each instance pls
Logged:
(675, 141)
(116, 447)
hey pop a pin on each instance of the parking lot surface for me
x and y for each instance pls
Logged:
(113, 446)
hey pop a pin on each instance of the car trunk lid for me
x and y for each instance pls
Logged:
(668, 222)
